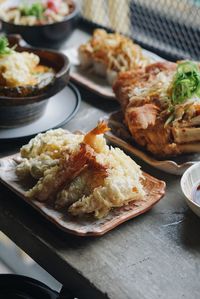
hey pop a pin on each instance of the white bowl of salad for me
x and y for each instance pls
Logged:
(46, 23)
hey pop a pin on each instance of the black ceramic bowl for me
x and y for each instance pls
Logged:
(21, 287)
(50, 35)
(17, 106)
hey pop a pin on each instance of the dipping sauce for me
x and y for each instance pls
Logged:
(196, 194)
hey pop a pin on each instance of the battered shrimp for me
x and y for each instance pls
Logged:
(87, 178)
(93, 139)
(93, 175)
(70, 166)
(120, 186)
(56, 179)
(90, 178)
(82, 185)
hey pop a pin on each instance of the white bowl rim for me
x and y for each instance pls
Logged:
(183, 178)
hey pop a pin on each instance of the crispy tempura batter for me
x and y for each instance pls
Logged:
(52, 143)
(88, 177)
(35, 167)
(120, 186)
(68, 169)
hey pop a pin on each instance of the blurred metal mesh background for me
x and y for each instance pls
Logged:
(170, 28)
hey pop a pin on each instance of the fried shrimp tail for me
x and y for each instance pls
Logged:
(95, 141)
(101, 128)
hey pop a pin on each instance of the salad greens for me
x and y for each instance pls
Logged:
(185, 85)
(4, 46)
(36, 9)
(186, 82)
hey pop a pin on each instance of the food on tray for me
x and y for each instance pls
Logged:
(21, 69)
(161, 106)
(38, 13)
(111, 53)
(80, 174)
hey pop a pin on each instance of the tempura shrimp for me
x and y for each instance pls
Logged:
(56, 178)
(70, 166)
(97, 142)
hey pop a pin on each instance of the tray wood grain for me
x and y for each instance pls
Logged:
(83, 226)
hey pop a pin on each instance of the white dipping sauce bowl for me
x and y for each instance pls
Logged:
(189, 183)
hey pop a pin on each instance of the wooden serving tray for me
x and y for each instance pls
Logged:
(83, 226)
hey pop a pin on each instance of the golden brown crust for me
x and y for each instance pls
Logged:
(145, 114)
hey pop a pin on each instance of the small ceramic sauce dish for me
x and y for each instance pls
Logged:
(190, 185)
(196, 193)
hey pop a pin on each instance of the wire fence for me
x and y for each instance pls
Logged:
(170, 28)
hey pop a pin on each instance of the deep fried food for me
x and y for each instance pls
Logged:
(161, 106)
(52, 143)
(84, 176)
(120, 186)
(111, 53)
(57, 177)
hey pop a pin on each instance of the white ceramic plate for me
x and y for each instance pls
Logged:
(188, 181)
(91, 81)
(60, 109)
(120, 136)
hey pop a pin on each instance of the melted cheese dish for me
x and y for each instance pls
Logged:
(80, 174)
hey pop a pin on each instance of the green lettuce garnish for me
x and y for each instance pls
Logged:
(186, 82)
(36, 9)
(185, 85)
(4, 46)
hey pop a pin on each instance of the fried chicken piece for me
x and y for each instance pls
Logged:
(155, 122)
(124, 84)
(164, 66)
(127, 81)
(141, 117)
